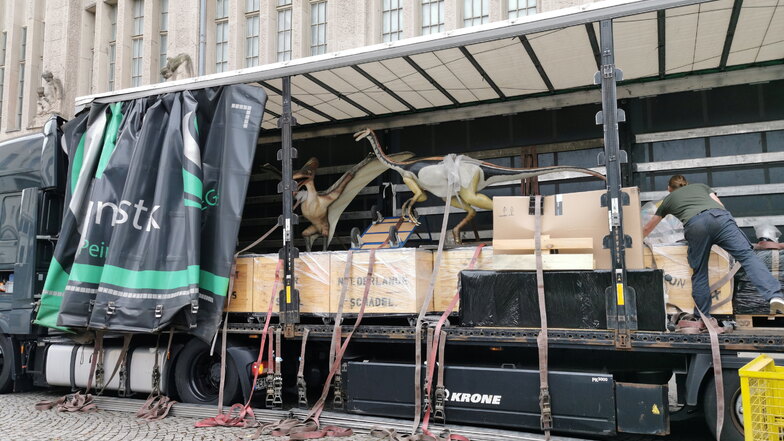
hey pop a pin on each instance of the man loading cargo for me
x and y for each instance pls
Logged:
(706, 222)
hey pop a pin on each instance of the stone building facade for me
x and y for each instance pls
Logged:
(93, 46)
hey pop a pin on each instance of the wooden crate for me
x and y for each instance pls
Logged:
(452, 262)
(398, 286)
(312, 280)
(242, 297)
(677, 276)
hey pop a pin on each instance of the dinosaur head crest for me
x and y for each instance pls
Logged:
(307, 173)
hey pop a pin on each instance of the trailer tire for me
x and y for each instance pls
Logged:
(197, 375)
(6, 364)
(733, 424)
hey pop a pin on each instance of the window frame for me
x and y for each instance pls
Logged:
(391, 14)
(317, 45)
(469, 17)
(137, 42)
(427, 12)
(284, 40)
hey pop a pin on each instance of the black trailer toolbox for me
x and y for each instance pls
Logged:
(492, 396)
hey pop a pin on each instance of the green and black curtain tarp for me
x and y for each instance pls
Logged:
(154, 199)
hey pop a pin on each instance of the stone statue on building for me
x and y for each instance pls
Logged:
(177, 68)
(50, 98)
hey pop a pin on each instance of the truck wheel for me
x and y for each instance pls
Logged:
(6, 361)
(197, 375)
(733, 411)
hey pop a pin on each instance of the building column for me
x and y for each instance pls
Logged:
(453, 15)
(499, 10)
(268, 32)
(151, 46)
(237, 34)
(412, 18)
(184, 30)
(300, 29)
(34, 60)
(122, 69)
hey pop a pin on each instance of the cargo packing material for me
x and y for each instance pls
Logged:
(569, 215)
(256, 275)
(452, 262)
(398, 285)
(677, 276)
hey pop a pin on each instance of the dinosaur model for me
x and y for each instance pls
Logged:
(455, 175)
(323, 208)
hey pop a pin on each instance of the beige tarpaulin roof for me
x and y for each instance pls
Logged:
(509, 60)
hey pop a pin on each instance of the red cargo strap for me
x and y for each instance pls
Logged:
(431, 361)
(243, 411)
(541, 340)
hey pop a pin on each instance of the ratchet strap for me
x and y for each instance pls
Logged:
(277, 379)
(438, 345)
(157, 405)
(242, 415)
(718, 376)
(423, 312)
(302, 387)
(120, 362)
(270, 372)
(541, 341)
(78, 402)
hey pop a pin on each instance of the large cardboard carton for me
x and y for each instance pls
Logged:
(569, 215)
(398, 286)
(677, 277)
(312, 280)
(452, 262)
(241, 297)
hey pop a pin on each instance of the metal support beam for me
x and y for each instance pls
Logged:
(299, 102)
(725, 53)
(338, 94)
(289, 296)
(381, 86)
(276, 115)
(661, 31)
(597, 55)
(534, 59)
(621, 299)
(430, 79)
(466, 53)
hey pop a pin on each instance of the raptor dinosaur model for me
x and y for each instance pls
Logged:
(323, 208)
(458, 176)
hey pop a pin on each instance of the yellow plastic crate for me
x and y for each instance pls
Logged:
(762, 387)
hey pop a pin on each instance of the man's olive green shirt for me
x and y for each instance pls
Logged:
(688, 201)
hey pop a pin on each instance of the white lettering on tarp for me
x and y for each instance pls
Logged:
(120, 215)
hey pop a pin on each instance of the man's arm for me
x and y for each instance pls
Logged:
(651, 225)
(716, 198)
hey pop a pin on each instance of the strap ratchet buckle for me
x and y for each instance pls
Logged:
(547, 412)
(302, 391)
(438, 408)
(337, 399)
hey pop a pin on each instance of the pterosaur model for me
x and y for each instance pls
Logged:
(323, 208)
(459, 176)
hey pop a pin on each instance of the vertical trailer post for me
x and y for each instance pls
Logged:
(289, 296)
(621, 299)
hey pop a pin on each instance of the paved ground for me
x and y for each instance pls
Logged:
(20, 421)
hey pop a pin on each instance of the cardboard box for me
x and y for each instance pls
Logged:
(452, 262)
(399, 282)
(312, 280)
(569, 215)
(677, 276)
(241, 299)
(550, 262)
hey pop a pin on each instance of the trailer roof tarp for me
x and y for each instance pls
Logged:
(510, 60)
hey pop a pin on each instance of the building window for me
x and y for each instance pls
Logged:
(137, 41)
(3, 41)
(284, 30)
(318, 28)
(391, 20)
(476, 12)
(22, 56)
(163, 29)
(251, 33)
(520, 8)
(221, 35)
(112, 43)
(432, 16)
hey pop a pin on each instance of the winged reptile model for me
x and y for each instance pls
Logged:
(456, 175)
(323, 208)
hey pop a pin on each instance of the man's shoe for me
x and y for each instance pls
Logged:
(777, 305)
